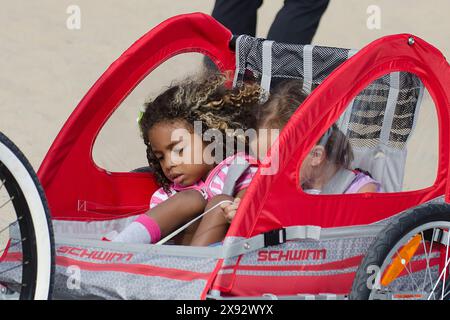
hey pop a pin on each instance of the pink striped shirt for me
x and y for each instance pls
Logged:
(214, 183)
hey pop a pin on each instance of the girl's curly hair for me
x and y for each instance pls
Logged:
(207, 99)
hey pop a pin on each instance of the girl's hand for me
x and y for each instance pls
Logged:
(229, 209)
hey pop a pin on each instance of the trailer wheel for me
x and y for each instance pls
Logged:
(26, 236)
(409, 259)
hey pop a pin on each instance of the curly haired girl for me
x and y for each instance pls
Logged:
(190, 178)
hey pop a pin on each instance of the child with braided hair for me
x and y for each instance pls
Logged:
(191, 180)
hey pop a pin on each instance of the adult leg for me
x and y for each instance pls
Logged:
(237, 15)
(297, 21)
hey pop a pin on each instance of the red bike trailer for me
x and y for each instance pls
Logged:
(79, 191)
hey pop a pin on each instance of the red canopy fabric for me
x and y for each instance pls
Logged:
(275, 201)
(75, 187)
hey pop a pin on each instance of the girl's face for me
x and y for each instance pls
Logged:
(179, 152)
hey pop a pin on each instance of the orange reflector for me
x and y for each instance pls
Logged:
(403, 257)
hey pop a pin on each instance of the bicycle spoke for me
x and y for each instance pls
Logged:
(8, 226)
(415, 267)
(12, 246)
(397, 255)
(439, 279)
(12, 268)
(9, 200)
(446, 259)
(448, 292)
(427, 256)
(411, 276)
(411, 272)
(21, 211)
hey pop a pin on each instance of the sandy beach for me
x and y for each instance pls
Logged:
(45, 68)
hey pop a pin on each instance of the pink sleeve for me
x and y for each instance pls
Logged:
(245, 179)
(216, 185)
(159, 196)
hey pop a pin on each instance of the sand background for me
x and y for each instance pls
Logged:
(45, 68)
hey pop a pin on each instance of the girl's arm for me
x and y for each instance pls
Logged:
(370, 187)
(214, 225)
(177, 210)
(229, 209)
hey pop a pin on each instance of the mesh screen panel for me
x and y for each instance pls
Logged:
(369, 107)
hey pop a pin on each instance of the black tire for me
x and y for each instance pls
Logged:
(389, 237)
(30, 215)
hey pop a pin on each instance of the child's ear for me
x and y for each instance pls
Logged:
(318, 155)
